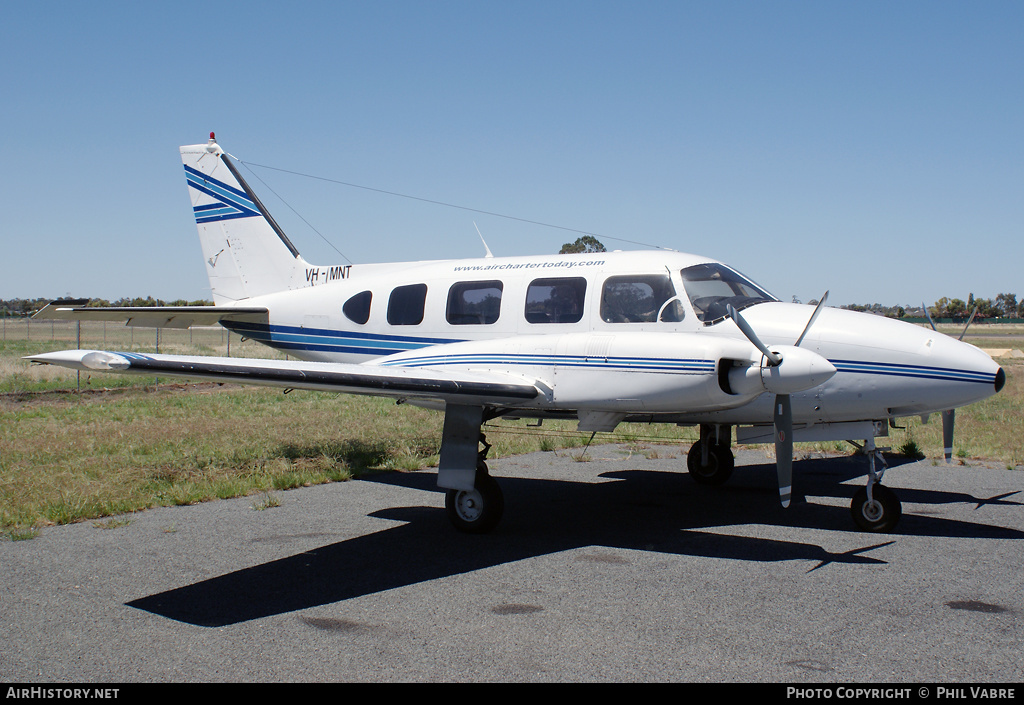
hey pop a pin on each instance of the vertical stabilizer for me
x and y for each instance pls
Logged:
(246, 252)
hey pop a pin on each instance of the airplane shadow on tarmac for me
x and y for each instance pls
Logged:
(635, 509)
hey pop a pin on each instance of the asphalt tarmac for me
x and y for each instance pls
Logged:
(614, 567)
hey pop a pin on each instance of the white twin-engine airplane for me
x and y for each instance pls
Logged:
(651, 336)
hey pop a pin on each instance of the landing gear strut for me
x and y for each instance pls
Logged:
(710, 460)
(477, 510)
(875, 508)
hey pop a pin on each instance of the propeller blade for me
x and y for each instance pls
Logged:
(973, 314)
(948, 421)
(949, 415)
(784, 447)
(817, 310)
(773, 359)
(929, 317)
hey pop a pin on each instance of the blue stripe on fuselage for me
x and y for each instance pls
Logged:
(914, 371)
(336, 341)
(633, 364)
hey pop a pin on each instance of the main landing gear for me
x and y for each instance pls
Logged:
(473, 499)
(478, 510)
(710, 460)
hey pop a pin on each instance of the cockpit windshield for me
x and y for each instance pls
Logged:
(712, 286)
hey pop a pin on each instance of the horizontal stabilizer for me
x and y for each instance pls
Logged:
(151, 316)
(397, 382)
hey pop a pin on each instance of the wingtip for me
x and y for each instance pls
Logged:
(81, 360)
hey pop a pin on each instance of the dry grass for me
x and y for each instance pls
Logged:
(67, 457)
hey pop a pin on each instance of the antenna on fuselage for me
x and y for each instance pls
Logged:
(488, 249)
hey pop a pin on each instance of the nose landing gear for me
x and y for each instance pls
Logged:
(875, 508)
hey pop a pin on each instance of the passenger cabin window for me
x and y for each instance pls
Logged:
(405, 306)
(640, 298)
(474, 303)
(555, 300)
(712, 287)
(357, 309)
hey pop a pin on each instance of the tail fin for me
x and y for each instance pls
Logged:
(246, 252)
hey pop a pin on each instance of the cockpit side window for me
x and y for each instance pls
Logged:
(712, 287)
(640, 298)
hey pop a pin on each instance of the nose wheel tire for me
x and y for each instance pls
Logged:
(478, 510)
(879, 514)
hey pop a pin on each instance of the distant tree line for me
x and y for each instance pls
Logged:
(888, 311)
(1002, 306)
(26, 307)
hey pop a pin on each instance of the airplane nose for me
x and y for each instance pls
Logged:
(973, 373)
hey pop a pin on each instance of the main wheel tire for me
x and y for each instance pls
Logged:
(719, 468)
(476, 511)
(879, 515)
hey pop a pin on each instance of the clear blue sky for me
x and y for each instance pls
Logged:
(869, 148)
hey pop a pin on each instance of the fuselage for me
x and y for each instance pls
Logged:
(639, 333)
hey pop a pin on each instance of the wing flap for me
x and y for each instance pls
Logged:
(420, 383)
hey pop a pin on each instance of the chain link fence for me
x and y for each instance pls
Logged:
(26, 336)
(107, 335)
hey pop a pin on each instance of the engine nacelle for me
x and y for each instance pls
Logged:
(799, 370)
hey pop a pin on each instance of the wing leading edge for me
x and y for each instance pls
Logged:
(420, 383)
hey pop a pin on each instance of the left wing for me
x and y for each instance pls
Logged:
(402, 383)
